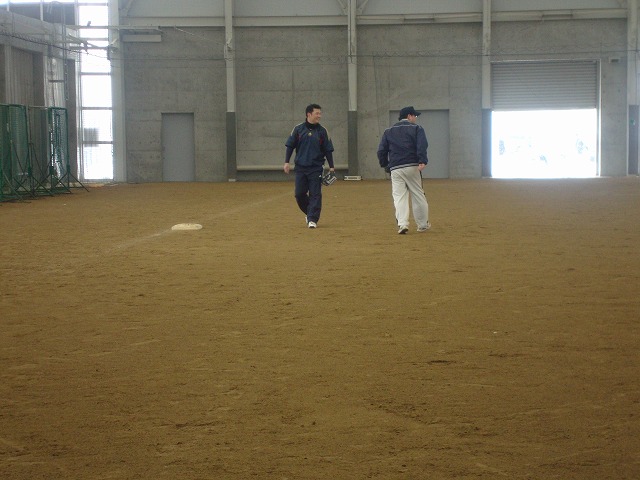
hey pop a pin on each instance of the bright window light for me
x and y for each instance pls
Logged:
(95, 68)
(544, 144)
(96, 125)
(94, 34)
(16, 2)
(95, 60)
(98, 16)
(96, 91)
(98, 161)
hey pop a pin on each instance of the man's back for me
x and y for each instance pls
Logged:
(402, 145)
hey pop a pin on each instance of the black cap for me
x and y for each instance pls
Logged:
(406, 111)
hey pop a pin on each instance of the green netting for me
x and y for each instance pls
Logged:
(39, 149)
(14, 148)
(5, 154)
(19, 133)
(59, 146)
(34, 151)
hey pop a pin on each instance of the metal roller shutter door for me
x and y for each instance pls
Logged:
(544, 85)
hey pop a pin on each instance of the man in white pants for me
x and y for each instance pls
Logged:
(403, 153)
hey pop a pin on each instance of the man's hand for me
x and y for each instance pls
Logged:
(287, 168)
(421, 166)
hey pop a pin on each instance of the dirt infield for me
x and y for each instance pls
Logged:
(502, 344)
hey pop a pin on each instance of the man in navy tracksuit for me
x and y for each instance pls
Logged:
(312, 144)
(403, 152)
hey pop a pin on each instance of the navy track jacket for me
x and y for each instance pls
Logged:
(312, 143)
(403, 145)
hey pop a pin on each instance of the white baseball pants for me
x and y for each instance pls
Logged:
(407, 182)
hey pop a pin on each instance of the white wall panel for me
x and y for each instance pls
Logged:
(528, 5)
(173, 8)
(329, 8)
(22, 77)
(286, 8)
(242, 8)
(283, 69)
(413, 7)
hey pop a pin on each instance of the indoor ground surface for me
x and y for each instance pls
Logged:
(504, 343)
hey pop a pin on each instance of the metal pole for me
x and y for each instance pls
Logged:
(486, 54)
(632, 53)
(352, 69)
(353, 58)
(229, 56)
(486, 89)
(633, 109)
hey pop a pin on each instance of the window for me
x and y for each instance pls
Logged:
(95, 103)
(96, 142)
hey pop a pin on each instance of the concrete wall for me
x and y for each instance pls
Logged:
(432, 67)
(602, 40)
(185, 73)
(281, 70)
(32, 69)
(26, 46)
(437, 67)
(279, 73)
(22, 67)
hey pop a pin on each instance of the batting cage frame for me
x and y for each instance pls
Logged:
(61, 175)
(34, 152)
(14, 151)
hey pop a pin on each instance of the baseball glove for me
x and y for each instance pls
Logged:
(329, 178)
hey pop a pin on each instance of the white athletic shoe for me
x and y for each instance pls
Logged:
(402, 230)
(424, 229)
(312, 225)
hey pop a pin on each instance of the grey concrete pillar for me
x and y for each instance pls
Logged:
(486, 88)
(232, 141)
(632, 86)
(352, 138)
(118, 96)
(352, 116)
(230, 56)
(634, 124)
(632, 52)
(486, 54)
(486, 142)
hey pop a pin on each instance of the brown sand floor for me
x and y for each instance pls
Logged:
(502, 344)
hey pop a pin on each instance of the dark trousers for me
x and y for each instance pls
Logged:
(308, 193)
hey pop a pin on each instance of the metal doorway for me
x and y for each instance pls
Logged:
(178, 147)
(544, 119)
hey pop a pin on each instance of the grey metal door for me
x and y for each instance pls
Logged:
(178, 147)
